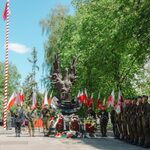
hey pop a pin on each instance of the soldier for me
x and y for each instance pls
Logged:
(146, 121)
(124, 119)
(134, 121)
(113, 116)
(131, 120)
(46, 117)
(139, 122)
(103, 115)
(31, 116)
(18, 114)
(128, 118)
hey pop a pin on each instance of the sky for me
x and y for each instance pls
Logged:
(25, 32)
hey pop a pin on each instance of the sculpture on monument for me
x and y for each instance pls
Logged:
(64, 84)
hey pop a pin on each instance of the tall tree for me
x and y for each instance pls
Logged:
(110, 39)
(30, 83)
(13, 83)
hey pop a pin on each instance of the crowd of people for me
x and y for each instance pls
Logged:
(131, 124)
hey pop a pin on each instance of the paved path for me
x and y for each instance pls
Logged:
(9, 142)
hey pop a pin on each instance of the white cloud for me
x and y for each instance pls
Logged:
(18, 48)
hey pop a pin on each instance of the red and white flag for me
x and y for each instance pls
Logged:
(11, 101)
(120, 98)
(21, 96)
(91, 101)
(6, 10)
(119, 105)
(85, 95)
(50, 98)
(45, 98)
(111, 99)
(78, 96)
(81, 97)
(98, 101)
(18, 101)
(102, 106)
(34, 101)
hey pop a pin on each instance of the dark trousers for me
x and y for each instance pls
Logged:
(18, 128)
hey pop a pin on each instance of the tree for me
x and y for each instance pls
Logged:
(30, 83)
(13, 83)
(110, 39)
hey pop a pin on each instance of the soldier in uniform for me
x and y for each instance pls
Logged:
(146, 121)
(113, 116)
(18, 114)
(120, 124)
(139, 121)
(131, 120)
(31, 116)
(124, 120)
(134, 121)
(128, 119)
(46, 117)
(103, 115)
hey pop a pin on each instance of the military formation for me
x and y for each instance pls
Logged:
(132, 124)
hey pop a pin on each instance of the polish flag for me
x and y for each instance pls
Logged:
(102, 106)
(78, 96)
(45, 98)
(98, 101)
(120, 99)
(85, 96)
(50, 98)
(34, 101)
(18, 101)
(11, 101)
(6, 10)
(91, 101)
(21, 96)
(111, 99)
(81, 97)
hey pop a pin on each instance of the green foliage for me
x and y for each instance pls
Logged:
(30, 83)
(110, 39)
(13, 83)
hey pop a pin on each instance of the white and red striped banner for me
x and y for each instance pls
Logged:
(6, 17)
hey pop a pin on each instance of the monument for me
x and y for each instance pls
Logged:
(64, 84)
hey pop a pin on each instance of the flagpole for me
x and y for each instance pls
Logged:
(6, 67)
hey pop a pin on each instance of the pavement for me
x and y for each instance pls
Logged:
(8, 141)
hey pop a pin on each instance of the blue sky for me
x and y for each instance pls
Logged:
(25, 31)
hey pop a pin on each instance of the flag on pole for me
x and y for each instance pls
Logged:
(102, 106)
(91, 101)
(6, 17)
(120, 97)
(11, 101)
(6, 10)
(98, 101)
(85, 95)
(54, 102)
(111, 99)
(34, 101)
(81, 97)
(45, 98)
(18, 101)
(50, 98)
(22, 96)
(78, 96)
(119, 105)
